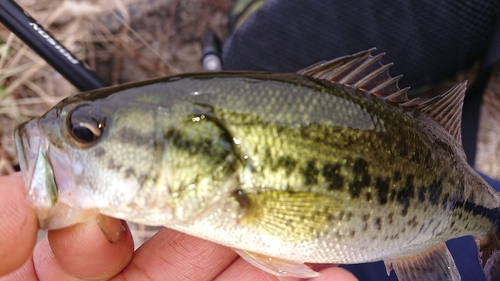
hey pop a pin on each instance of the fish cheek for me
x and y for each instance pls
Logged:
(203, 160)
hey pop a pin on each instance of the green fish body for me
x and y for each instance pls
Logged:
(330, 165)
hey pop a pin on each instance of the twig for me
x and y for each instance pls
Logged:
(5, 51)
(27, 75)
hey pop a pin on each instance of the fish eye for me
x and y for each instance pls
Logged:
(85, 125)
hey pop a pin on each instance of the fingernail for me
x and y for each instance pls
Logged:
(112, 228)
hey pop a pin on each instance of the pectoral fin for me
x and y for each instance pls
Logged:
(489, 253)
(433, 264)
(276, 266)
(492, 267)
(290, 216)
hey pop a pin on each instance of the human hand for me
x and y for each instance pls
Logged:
(103, 249)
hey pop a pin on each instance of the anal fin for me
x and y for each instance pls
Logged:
(489, 253)
(492, 267)
(277, 266)
(432, 265)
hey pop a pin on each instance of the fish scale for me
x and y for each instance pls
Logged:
(284, 168)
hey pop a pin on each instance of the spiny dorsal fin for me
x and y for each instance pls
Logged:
(363, 72)
(446, 109)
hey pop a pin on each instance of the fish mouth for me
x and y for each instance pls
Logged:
(46, 173)
(35, 166)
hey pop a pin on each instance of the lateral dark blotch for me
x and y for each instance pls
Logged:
(361, 177)
(310, 173)
(287, 163)
(360, 166)
(406, 194)
(368, 196)
(331, 172)
(397, 176)
(392, 195)
(435, 190)
(382, 186)
(421, 192)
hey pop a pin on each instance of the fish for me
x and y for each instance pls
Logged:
(332, 164)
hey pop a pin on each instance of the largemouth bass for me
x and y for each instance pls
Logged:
(333, 164)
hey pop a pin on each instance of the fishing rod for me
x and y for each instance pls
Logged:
(44, 44)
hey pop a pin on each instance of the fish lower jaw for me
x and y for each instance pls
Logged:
(146, 216)
(62, 215)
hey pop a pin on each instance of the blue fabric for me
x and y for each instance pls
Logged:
(462, 249)
(427, 40)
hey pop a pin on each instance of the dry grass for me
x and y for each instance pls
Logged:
(122, 40)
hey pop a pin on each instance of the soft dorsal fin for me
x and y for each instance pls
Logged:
(363, 72)
(446, 109)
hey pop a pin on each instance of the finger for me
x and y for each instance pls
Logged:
(171, 255)
(42, 254)
(25, 272)
(242, 271)
(98, 249)
(45, 265)
(18, 224)
(335, 273)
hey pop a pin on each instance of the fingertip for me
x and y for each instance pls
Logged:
(171, 255)
(335, 273)
(98, 249)
(18, 224)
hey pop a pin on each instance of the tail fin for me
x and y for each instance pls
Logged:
(489, 252)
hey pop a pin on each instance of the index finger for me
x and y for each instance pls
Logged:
(18, 224)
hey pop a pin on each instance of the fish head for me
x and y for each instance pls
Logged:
(146, 154)
(69, 164)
